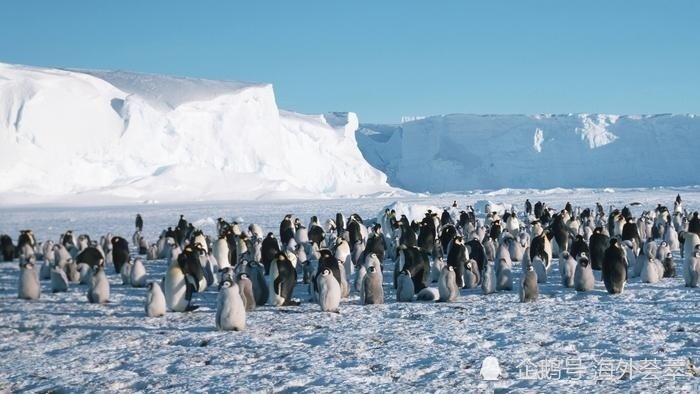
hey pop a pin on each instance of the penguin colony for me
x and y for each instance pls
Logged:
(434, 259)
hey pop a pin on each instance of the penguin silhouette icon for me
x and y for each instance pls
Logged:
(490, 369)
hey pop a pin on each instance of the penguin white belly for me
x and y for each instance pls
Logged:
(175, 289)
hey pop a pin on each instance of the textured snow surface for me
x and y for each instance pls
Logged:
(118, 136)
(62, 343)
(464, 152)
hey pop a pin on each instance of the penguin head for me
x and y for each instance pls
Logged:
(530, 268)
(228, 282)
(669, 255)
(149, 286)
(469, 265)
(371, 269)
(326, 272)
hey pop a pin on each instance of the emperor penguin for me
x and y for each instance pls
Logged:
(669, 266)
(155, 300)
(85, 273)
(328, 291)
(471, 275)
(405, 288)
(504, 280)
(567, 269)
(138, 273)
(221, 252)
(230, 311)
(539, 266)
(488, 282)
(529, 289)
(246, 288)
(283, 277)
(372, 291)
(447, 285)
(98, 293)
(583, 277)
(692, 268)
(652, 271)
(29, 287)
(59, 280)
(256, 273)
(614, 268)
(126, 271)
(152, 253)
(175, 287)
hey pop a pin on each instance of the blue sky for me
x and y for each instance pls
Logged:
(386, 59)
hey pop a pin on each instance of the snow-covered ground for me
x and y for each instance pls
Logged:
(64, 344)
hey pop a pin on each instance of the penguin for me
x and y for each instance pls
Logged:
(447, 285)
(59, 280)
(283, 278)
(529, 288)
(405, 288)
(177, 295)
(256, 273)
(669, 266)
(359, 278)
(597, 245)
(614, 268)
(269, 249)
(246, 288)
(85, 273)
(152, 253)
(488, 282)
(567, 268)
(286, 230)
(8, 248)
(436, 269)
(540, 269)
(328, 291)
(98, 293)
(579, 246)
(139, 222)
(120, 253)
(29, 287)
(155, 300)
(652, 271)
(138, 273)
(71, 270)
(143, 246)
(583, 276)
(504, 276)
(471, 275)
(126, 272)
(428, 294)
(457, 258)
(230, 311)
(221, 252)
(691, 273)
(372, 291)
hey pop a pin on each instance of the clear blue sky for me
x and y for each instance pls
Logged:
(385, 59)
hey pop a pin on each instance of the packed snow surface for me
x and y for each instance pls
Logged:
(82, 136)
(61, 343)
(462, 152)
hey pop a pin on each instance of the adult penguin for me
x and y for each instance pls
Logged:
(539, 209)
(579, 246)
(8, 248)
(269, 249)
(694, 224)
(630, 232)
(283, 278)
(316, 234)
(120, 253)
(446, 236)
(477, 253)
(445, 218)
(597, 244)
(426, 235)
(90, 256)
(528, 207)
(417, 265)
(560, 232)
(375, 243)
(614, 268)
(457, 259)
(139, 222)
(182, 279)
(408, 236)
(286, 230)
